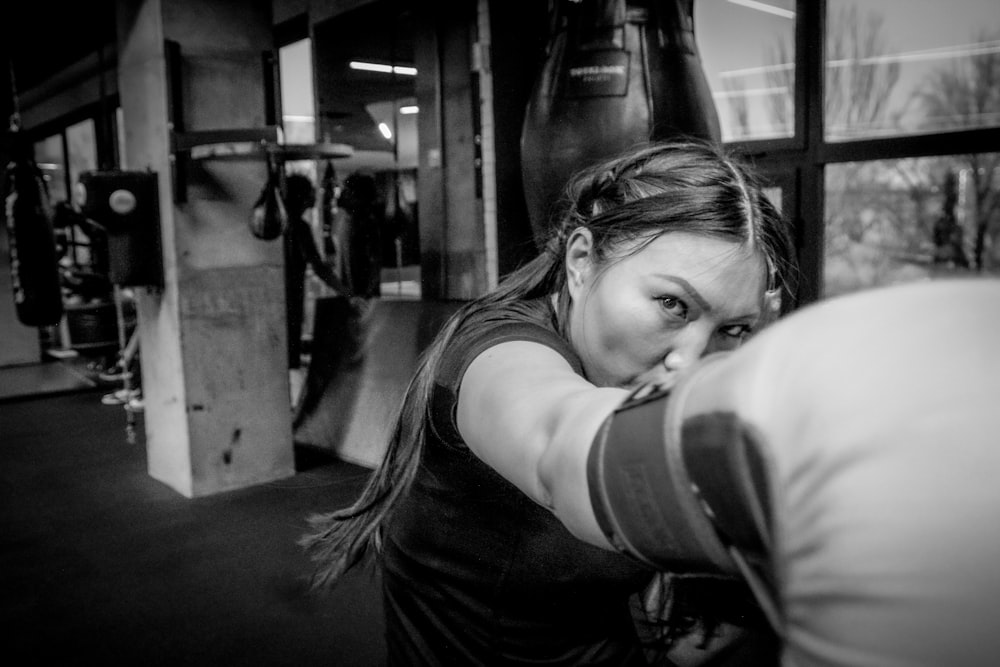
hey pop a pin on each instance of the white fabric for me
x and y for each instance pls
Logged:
(880, 415)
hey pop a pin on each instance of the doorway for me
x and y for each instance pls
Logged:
(365, 81)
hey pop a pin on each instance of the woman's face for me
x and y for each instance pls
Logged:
(654, 312)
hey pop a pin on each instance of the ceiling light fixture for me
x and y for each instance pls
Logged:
(384, 69)
(409, 109)
(384, 129)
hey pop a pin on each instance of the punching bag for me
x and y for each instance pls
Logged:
(33, 259)
(616, 73)
(268, 220)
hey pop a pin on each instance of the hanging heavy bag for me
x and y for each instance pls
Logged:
(616, 74)
(268, 220)
(33, 259)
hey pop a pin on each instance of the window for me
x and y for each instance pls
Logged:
(892, 221)
(903, 67)
(120, 138)
(884, 142)
(62, 157)
(298, 115)
(82, 149)
(748, 54)
(366, 91)
(50, 156)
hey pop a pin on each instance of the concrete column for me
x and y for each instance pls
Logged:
(452, 235)
(214, 361)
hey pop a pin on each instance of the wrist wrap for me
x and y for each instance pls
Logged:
(641, 493)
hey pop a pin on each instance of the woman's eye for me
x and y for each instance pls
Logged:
(674, 306)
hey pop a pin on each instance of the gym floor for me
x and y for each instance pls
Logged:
(100, 562)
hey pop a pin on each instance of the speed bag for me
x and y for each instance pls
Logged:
(616, 74)
(268, 219)
(33, 259)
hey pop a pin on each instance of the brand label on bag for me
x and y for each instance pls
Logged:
(597, 74)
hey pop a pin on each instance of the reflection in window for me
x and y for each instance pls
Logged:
(747, 50)
(372, 107)
(895, 221)
(893, 69)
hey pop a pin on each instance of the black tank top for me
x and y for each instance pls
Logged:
(475, 572)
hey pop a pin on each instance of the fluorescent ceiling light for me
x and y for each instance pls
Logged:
(384, 129)
(764, 7)
(409, 109)
(385, 69)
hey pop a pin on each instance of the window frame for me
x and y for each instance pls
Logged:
(802, 158)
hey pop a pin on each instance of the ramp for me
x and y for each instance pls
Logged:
(360, 366)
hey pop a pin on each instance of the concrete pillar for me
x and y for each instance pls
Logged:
(453, 245)
(214, 361)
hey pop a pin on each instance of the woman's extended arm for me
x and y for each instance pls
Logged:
(613, 468)
(523, 411)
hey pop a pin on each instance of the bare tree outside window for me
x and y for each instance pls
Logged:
(965, 93)
(876, 212)
(890, 221)
(859, 78)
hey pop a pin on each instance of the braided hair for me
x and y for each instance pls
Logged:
(625, 202)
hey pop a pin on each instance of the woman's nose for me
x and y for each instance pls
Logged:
(675, 361)
(687, 348)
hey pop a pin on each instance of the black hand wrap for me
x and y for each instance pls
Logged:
(642, 494)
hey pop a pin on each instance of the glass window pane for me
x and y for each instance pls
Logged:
(893, 221)
(298, 114)
(748, 50)
(775, 195)
(52, 161)
(911, 67)
(82, 148)
(366, 85)
(82, 145)
(120, 137)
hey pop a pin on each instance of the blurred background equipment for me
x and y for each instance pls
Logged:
(616, 73)
(31, 243)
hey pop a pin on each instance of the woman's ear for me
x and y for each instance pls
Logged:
(579, 258)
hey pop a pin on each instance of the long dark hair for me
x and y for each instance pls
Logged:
(647, 191)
